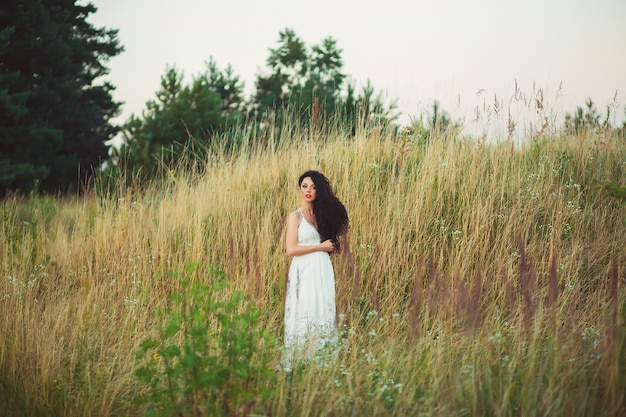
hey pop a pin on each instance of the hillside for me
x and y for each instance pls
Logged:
(477, 279)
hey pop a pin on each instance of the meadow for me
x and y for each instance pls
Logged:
(477, 279)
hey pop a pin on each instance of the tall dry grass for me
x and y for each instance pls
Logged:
(476, 279)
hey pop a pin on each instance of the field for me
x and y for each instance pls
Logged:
(476, 280)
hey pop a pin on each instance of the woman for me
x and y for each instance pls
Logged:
(312, 235)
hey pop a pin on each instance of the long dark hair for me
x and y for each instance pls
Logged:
(330, 213)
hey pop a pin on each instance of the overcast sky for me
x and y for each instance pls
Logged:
(464, 53)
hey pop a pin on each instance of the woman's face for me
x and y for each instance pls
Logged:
(308, 191)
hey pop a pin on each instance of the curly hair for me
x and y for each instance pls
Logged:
(330, 213)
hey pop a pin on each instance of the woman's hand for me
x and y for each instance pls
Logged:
(328, 246)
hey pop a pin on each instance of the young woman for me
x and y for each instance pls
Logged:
(313, 231)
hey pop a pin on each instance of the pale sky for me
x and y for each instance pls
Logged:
(465, 54)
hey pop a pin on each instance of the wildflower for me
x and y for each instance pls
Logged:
(533, 194)
(574, 207)
(130, 302)
(567, 228)
(494, 337)
(371, 314)
(571, 184)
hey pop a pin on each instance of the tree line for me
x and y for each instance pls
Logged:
(304, 83)
(56, 108)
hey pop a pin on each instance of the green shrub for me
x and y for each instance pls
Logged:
(208, 357)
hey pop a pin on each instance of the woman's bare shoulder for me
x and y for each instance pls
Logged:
(295, 217)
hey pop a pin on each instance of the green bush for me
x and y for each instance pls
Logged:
(208, 357)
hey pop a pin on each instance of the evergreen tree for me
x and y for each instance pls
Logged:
(585, 119)
(325, 77)
(200, 111)
(54, 118)
(289, 66)
(310, 83)
(430, 124)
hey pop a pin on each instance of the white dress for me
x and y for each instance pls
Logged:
(310, 300)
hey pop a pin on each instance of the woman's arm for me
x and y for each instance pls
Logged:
(291, 240)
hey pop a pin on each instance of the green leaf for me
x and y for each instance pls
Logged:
(192, 267)
(190, 361)
(147, 344)
(222, 376)
(145, 373)
(176, 298)
(215, 272)
(172, 328)
(171, 351)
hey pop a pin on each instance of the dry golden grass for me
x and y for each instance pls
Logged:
(477, 279)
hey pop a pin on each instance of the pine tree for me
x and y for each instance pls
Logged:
(54, 116)
(310, 83)
(199, 112)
